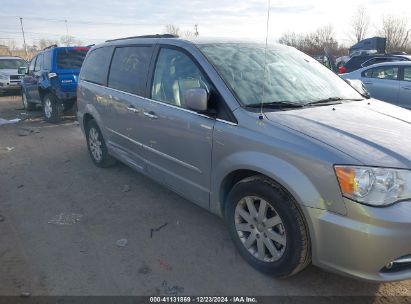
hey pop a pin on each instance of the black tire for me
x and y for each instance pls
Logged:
(296, 254)
(106, 160)
(28, 106)
(52, 108)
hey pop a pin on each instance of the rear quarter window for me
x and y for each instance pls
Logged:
(47, 60)
(129, 67)
(95, 67)
(71, 59)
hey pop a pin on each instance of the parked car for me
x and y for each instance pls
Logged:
(10, 78)
(300, 165)
(390, 81)
(358, 62)
(51, 80)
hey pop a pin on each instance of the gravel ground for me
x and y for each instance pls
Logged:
(70, 228)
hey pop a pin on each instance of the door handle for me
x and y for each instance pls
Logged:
(133, 109)
(406, 88)
(150, 115)
(367, 82)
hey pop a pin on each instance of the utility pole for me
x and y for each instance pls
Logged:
(67, 35)
(24, 38)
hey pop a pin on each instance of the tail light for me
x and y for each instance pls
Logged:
(342, 70)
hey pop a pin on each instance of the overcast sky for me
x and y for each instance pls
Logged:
(93, 21)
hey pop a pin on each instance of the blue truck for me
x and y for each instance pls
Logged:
(51, 80)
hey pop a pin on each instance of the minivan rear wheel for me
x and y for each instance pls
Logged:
(97, 146)
(267, 227)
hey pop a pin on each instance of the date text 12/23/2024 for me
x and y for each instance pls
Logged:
(221, 299)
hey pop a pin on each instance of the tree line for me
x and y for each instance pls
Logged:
(394, 28)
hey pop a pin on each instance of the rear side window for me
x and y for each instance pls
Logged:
(379, 60)
(39, 63)
(95, 67)
(129, 69)
(31, 66)
(384, 72)
(407, 73)
(47, 61)
(71, 59)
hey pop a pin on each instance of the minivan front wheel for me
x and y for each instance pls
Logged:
(267, 227)
(97, 146)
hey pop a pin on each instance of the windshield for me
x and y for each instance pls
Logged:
(12, 64)
(291, 76)
(71, 59)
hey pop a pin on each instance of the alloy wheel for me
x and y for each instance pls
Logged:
(95, 144)
(260, 229)
(48, 109)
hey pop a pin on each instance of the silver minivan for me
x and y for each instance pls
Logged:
(302, 167)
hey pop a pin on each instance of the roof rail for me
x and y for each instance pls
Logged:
(146, 36)
(50, 46)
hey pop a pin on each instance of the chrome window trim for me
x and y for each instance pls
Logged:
(161, 103)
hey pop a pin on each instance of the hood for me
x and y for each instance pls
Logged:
(9, 71)
(373, 132)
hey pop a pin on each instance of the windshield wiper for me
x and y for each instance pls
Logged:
(275, 105)
(329, 101)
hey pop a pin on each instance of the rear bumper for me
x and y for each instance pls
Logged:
(66, 97)
(364, 241)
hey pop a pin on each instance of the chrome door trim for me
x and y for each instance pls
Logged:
(134, 110)
(171, 158)
(126, 137)
(150, 115)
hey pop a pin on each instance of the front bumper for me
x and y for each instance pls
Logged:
(10, 85)
(364, 241)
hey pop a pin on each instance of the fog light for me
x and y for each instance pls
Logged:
(389, 265)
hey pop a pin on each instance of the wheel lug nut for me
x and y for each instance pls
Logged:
(258, 236)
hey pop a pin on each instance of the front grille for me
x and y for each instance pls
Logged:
(16, 77)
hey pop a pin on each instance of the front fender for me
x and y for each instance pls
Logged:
(296, 182)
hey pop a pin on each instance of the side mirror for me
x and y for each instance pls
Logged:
(359, 87)
(22, 70)
(196, 99)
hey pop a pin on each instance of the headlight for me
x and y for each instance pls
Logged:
(374, 186)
